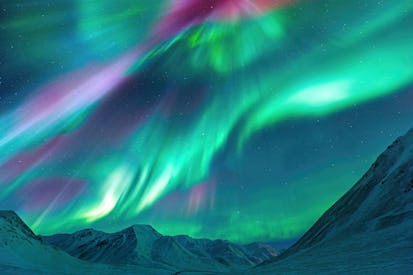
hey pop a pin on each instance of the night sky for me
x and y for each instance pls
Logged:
(235, 119)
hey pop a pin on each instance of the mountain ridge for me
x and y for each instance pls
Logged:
(142, 244)
(373, 218)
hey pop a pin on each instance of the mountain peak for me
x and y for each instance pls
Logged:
(138, 228)
(10, 221)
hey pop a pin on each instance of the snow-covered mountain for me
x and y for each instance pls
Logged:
(370, 229)
(20, 247)
(96, 246)
(22, 252)
(136, 249)
(142, 245)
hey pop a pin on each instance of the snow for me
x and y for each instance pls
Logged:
(22, 252)
(136, 249)
(142, 245)
(368, 230)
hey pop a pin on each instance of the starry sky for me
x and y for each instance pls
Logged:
(235, 119)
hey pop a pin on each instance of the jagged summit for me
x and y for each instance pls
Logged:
(139, 248)
(143, 245)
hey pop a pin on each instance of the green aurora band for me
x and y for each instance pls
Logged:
(300, 61)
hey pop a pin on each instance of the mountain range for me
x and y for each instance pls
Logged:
(368, 230)
(136, 249)
(142, 245)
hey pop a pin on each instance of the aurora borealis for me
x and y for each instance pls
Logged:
(235, 119)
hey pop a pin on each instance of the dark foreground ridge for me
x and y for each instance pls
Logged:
(368, 230)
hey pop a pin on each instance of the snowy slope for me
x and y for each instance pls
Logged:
(22, 252)
(142, 245)
(19, 246)
(227, 253)
(370, 229)
(117, 248)
(136, 249)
